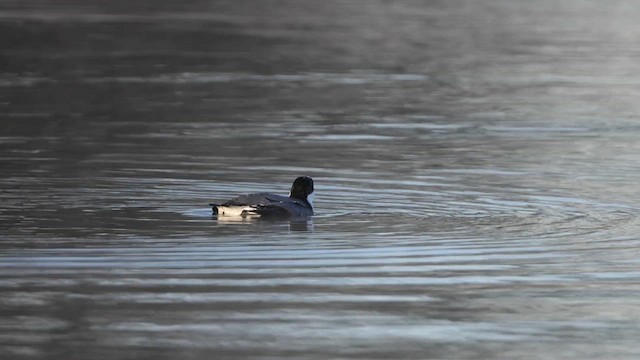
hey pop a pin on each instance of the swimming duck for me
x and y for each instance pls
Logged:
(299, 203)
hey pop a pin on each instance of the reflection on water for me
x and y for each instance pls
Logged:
(476, 168)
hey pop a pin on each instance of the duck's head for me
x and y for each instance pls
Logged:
(302, 189)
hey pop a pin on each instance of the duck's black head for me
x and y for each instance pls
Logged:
(301, 189)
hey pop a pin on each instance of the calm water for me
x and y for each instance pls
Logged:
(476, 164)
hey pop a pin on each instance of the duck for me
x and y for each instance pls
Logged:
(299, 203)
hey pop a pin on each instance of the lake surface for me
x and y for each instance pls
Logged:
(477, 169)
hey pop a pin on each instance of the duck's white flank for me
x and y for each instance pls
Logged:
(233, 210)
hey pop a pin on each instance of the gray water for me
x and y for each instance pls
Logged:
(476, 167)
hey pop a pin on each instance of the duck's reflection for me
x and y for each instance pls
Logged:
(301, 225)
(295, 223)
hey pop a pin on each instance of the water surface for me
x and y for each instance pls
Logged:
(476, 168)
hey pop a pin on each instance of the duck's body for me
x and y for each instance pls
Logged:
(299, 203)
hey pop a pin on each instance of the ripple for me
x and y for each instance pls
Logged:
(358, 78)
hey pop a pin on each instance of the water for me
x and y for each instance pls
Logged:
(476, 168)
